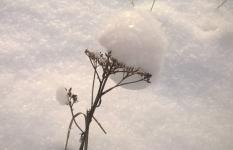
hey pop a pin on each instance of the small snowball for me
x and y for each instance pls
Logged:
(61, 96)
(136, 39)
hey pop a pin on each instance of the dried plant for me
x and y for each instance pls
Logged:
(221, 4)
(104, 66)
(152, 6)
(132, 2)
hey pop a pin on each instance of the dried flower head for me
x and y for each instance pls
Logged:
(111, 65)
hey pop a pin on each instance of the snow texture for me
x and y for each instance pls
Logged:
(62, 96)
(136, 39)
(42, 46)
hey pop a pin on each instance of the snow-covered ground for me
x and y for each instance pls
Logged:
(42, 47)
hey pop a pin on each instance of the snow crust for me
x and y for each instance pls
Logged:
(42, 45)
(136, 39)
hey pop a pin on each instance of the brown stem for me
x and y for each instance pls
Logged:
(93, 108)
(73, 116)
(92, 89)
(222, 3)
(69, 129)
(132, 3)
(152, 6)
(99, 125)
(120, 83)
(109, 66)
(89, 116)
(95, 69)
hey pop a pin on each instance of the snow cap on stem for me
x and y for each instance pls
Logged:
(137, 39)
(62, 96)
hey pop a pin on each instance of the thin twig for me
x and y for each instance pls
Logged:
(99, 125)
(152, 6)
(72, 112)
(92, 89)
(68, 134)
(118, 84)
(131, 82)
(108, 90)
(90, 113)
(132, 2)
(95, 69)
(109, 66)
(69, 129)
(89, 116)
(221, 4)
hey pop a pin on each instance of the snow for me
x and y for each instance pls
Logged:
(62, 96)
(42, 46)
(135, 38)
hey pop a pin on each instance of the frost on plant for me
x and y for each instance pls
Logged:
(104, 66)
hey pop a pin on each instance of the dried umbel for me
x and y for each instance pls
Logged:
(111, 65)
(104, 66)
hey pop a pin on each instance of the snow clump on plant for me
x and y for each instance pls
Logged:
(62, 96)
(136, 39)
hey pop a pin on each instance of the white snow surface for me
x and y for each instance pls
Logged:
(62, 96)
(42, 46)
(135, 38)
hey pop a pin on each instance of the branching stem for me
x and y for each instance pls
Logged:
(69, 129)
(73, 117)
(109, 66)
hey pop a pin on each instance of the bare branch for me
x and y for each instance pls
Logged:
(92, 89)
(108, 90)
(221, 4)
(132, 3)
(125, 83)
(131, 82)
(69, 129)
(125, 76)
(109, 66)
(73, 116)
(152, 6)
(101, 127)
(95, 69)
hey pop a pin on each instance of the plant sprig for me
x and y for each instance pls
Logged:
(104, 66)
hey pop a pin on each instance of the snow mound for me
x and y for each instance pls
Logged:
(61, 96)
(136, 39)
